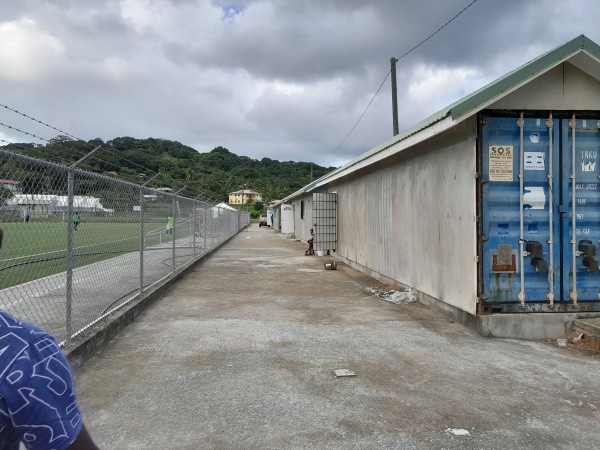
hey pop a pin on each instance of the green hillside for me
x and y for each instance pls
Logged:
(213, 174)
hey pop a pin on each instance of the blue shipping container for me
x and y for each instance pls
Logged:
(540, 181)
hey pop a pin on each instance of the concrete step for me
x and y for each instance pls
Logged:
(590, 327)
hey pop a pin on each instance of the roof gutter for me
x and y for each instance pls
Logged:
(391, 150)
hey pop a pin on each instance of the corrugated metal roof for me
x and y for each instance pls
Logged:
(481, 98)
(520, 75)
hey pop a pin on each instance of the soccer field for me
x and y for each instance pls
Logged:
(38, 249)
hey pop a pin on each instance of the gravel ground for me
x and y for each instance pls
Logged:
(241, 355)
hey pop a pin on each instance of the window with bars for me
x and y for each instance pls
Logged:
(325, 221)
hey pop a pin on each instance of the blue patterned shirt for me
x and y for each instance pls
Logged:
(37, 394)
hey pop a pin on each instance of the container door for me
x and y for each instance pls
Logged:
(521, 260)
(581, 194)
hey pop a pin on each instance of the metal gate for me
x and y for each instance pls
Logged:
(324, 208)
(539, 184)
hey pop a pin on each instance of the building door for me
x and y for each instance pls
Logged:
(539, 183)
(287, 219)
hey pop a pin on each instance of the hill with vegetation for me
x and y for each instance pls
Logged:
(204, 175)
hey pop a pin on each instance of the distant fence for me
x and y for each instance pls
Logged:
(79, 246)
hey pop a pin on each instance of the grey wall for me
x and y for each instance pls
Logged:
(302, 226)
(413, 219)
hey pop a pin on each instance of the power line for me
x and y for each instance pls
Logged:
(437, 31)
(358, 121)
(388, 74)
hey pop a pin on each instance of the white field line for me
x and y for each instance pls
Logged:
(149, 233)
(81, 277)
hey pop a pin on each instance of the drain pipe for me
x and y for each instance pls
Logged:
(521, 295)
(573, 293)
(550, 125)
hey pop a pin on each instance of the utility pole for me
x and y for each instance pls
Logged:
(394, 97)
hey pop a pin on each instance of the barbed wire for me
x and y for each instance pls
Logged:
(38, 121)
(24, 132)
(71, 136)
(112, 165)
(93, 169)
(116, 155)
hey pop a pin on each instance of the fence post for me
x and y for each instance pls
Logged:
(175, 209)
(142, 239)
(173, 230)
(205, 227)
(142, 236)
(220, 227)
(192, 235)
(69, 283)
(193, 230)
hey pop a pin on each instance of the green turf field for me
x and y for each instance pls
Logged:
(38, 249)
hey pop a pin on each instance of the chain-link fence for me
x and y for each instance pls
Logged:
(78, 246)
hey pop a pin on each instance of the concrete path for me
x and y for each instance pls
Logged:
(97, 287)
(241, 353)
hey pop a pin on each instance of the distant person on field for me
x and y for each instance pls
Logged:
(76, 220)
(38, 407)
(27, 218)
(272, 219)
(170, 225)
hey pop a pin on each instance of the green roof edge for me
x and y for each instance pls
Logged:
(520, 74)
(482, 95)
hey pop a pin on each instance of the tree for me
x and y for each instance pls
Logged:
(213, 174)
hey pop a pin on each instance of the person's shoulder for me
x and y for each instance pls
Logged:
(22, 338)
(11, 325)
(34, 369)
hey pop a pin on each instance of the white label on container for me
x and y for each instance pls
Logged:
(501, 162)
(534, 197)
(534, 161)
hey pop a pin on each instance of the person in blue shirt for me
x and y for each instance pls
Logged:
(38, 407)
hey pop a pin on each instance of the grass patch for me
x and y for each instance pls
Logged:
(38, 249)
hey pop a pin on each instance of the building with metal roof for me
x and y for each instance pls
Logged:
(487, 208)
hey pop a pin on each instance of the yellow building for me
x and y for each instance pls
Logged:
(244, 197)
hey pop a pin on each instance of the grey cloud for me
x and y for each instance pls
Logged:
(205, 72)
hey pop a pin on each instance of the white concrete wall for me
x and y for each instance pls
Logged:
(413, 220)
(302, 226)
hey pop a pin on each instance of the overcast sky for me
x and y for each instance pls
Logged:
(283, 79)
